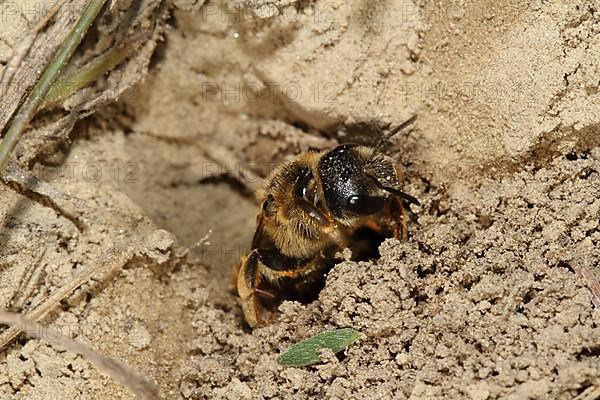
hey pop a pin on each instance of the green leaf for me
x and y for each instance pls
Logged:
(306, 352)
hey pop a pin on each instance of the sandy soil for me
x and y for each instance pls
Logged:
(485, 301)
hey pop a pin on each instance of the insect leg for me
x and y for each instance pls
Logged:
(264, 265)
(235, 272)
(247, 281)
(399, 216)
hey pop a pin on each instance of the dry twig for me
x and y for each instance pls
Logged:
(116, 369)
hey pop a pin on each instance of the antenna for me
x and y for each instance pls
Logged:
(408, 199)
(391, 133)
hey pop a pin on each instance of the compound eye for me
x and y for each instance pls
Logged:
(365, 205)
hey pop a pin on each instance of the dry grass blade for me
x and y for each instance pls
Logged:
(115, 257)
(116, 369)
(8, 72)
(591, 393)
(43, 193)
(592, 282)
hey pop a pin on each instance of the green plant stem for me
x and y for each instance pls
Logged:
(37, 95)
(68, 85)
